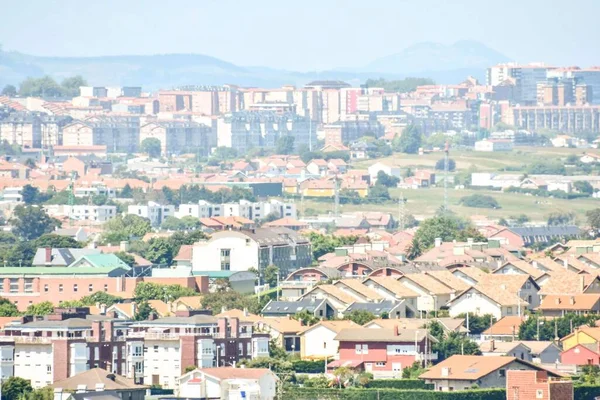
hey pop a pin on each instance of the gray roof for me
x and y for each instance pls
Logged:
(276, 236)
(61, 257)
(199, 319)
(291, 307)
(71, 323)
(567, 230)
(374, 308)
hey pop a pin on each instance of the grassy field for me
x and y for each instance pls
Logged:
(520, 157)
(423, 203)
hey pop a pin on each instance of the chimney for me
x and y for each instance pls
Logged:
(572, 300)
(48, 257)
(446, 371)
(102, 309)
(582, 280)
(223, 309)
(558, 300)
(492, 345)
(245, 312)
(438, 242)
(396, 333)
(124, 246)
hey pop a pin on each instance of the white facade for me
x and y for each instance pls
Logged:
(155, 212)
(493, 145)
(98, 190)
(162, 359)
(203, 209)
(198, 384)
(91, 213)
(319, 342)
(233, 251)
(34, 362)
(426, 301)
(475, 303)
(244, 209)
(13, 194)
(388, 169)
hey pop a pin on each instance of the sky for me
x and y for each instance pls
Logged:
(302, 35)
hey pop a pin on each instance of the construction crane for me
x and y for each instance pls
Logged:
(446, 168)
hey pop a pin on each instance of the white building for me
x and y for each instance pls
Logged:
(155, 212)
(318, 341)
(228, 383)
(13, 193)
(95, 190)
(493, 145)
(82, 212)
(244, 209)
(203, 209)
(525, 77)
(388, 169)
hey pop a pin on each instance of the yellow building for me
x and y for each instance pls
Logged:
(584, 335)
(318, 188)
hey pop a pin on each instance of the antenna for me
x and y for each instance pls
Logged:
(446, 160)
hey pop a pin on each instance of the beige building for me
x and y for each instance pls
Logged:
(118, 134)
(178, 136)
(567, 119)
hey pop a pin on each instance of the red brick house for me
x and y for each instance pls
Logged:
(521, 385)
(582, 354)
(383, 352)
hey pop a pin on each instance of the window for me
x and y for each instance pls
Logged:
(529, 299)
(105, 287)
(14, 285)
(380, 364)
(358, 349)
(1, 285)
(49, 368)
(225, 252)
(60, 288)
(90, 287)
(324, 345)
(28, 285)
(75, 288)
(365, 349)
(539, 394)
(225, 266)
(508, 310)
(502, 373)
(241, 349)
(46, 288)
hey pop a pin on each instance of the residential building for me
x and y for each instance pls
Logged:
(525, 78)
(46, 256)
(462, 372)
(493, 145)
(568, 119)
(522, 385)
(118, 134)
(504, 329)
(583, 335)
(98, 381)
(239, 250)
(318, 341)
(559, 305)
(243, 208)
(83, 212)
(581, 354)
(589, 77)
(385, 168)
(179, 136)
(433, 294)
(155, 212)
(320, 308)
(228, 383)
(344, 132)
(189, 339)
(382, 352)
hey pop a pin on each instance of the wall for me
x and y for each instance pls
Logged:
(32, 362)
(477, 304)
(319, 342)
(206, 256)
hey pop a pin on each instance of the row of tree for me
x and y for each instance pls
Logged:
(46, 86)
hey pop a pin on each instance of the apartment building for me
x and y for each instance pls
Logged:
(240, 250)
(155, 212)
(589, 77)
(159, 351)
(23, 129)
(348, 131)
(202, 100)
(118, 134)
(179, 136)
(248, 130)
(62, 345)
(566, 119)
(525, 78)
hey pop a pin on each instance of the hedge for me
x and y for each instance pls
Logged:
(391, 394)
(585, 392)
(403, 384)
(308, 367)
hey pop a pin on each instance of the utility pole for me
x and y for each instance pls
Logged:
(302, 203)
(337, 198)
(446, 160)
(401, 212)
(309, 132)
(71, 198)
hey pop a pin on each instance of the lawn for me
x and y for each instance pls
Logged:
(423, 203)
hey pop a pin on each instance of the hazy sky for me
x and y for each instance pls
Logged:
(301, 35)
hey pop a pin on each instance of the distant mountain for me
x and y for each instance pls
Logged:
(444, 64)
(427, 56)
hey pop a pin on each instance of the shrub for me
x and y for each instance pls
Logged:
(479, 201)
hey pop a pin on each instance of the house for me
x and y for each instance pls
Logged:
(582, 335)
(360, 150)
(240, 250)
(383, 352)
(318, 341)
(320, 308)
(77, 232)
(581, 354)
(287, 222)
(337, 166)
(543, 351)
(590, 158)
(101, 261)
(356, 289)
(564, 141)
(300, 281)
(493, 145)
(463, 372)
(98, 380)
(469, 275)
(513, 349)
(521, 385)
(387, 169)
(544, 234)
(284, 331)
(317, 188)
(391, 289)
(337, 297)
(60, 257)
(318, 167)
(433, 294)
(505, 329)
(393, 309)
(447, 324)
(153, 211)
(555, 305)
(228, 383)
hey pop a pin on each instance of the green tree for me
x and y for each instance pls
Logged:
(46, 393)
(360, 317)
(15, 387)
(30, 194)
(9, 90)
(126, 258)
(413, 372)
(561, 218)
(190, 368)
(8, 309)
(387, 180)
(455, 343)
(223, 153)
(271, 275)
(583, 187)
(124, 228)
(323, 244)
(270, 217)
(57, 242)
(160, 251)
(378, 194)
(20, 255)
(479, 201)
(593, 219)
(143, 311)
(190, 223)
(70, 86)
(306, 318)
(126, 192)
(343, 375)
(31, 222)
(145, 291)
(30, 163)
(440, 164)
(546, 168)
(101, 298)
(40, 87)
(478, 323)
(285, 145)
(152, 147)
(172, 224)
(43, 308)
(409, 141)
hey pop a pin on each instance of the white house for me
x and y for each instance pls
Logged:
(590, 158)
(388, 169)
(493, 145)
(228, 383)
(243, 208)
(90, 213)
(563, 141)
(318, 341)
(155, 212)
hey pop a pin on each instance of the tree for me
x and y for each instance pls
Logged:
(546, 168)
(441, 227)
(285, 145)
(190, 223)
(126, 192)
(8, 309)
(124, 228)
(440, 165)
(145, 291)
(70, 86)
(40, 87)
(548, 329)
(172, 224)
(561, 218)
(413, 372)
(15, 387)
(30, 163)
(360, 317)
(31, 222)
(323, 244)
(160, 251)
(143, 311)
(409, 141)
(378, 194)
(152, 147)
(271, 275)
(343, 375)
(479, 201)
(46, 393)
(455, 343)
(43, 308)
(55, 241)
(102, 298)
(126, 258)
(270, 217)
(478, 323)
(9, 90)
(190, 368)
(387, 180)
(30, 194)
(583, 187)
(306, 318)
(593, 219)
(405, 85)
